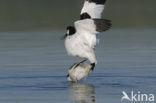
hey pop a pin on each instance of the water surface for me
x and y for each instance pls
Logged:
(34, 65)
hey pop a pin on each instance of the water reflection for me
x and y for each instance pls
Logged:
(82, 93)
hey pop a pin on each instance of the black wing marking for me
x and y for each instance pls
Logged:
(85, 16)
(102, 24)
(102, 2)
(80, 63)
(75, 64)
(92, 9)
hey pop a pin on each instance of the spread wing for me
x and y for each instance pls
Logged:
(92, 9)
(88, 28)
(92, 26)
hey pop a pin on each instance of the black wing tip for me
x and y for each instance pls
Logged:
(102, 2)
(102, 24)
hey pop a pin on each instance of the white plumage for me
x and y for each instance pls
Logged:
(93, 9)
(81, 43)
(79, 71)
(81, 39)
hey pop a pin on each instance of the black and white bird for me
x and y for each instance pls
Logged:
(81, 39)
(79, 71)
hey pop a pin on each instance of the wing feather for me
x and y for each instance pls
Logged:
(92, 26)
(102, 24)
(88, 28)
(92, 9)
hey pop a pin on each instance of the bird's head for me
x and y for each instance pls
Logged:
(70, 31)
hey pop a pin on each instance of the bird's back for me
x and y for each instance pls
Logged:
(78, 44)
(80, 72)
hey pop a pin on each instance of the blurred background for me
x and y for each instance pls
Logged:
(34, 63)
(18, 15)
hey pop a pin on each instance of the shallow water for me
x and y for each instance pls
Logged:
(34, 65)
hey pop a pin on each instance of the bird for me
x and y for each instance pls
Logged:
(79, 71)
(81, 39)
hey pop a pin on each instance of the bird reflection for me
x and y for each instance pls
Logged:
(82, 93)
